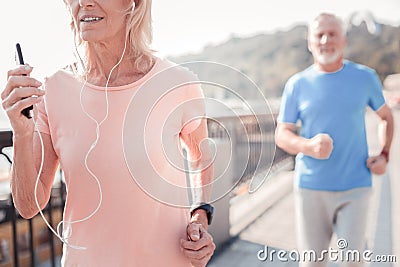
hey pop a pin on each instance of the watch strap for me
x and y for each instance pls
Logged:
(209, 209)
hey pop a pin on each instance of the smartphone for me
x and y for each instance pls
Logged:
(20, 61)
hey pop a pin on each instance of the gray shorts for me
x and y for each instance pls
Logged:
(319, 214)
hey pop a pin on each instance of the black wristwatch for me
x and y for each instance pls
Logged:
(207, 207)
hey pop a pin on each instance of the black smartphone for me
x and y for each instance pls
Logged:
(20, 61)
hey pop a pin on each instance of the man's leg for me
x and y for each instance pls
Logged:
(314, 225)
(351, 223)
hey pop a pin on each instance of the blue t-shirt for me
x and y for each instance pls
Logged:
(335, 104)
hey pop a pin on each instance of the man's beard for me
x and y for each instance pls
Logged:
(326, 59)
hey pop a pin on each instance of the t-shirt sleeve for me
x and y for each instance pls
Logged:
(193, 108)
(42, 124)
(288, 112)
(376, 98)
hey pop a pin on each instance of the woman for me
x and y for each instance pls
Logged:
(108, 219)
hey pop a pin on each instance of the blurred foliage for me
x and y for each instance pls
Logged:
(270, 59)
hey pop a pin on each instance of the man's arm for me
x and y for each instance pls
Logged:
(320, 146)
(387, 119)
(377, 164)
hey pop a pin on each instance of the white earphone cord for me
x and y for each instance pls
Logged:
(58, 233)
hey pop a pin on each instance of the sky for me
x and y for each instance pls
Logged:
(179, 26)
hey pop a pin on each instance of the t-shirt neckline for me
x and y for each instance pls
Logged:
(130, 85)
(331, 72)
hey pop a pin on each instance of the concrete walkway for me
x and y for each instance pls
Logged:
(275, 227)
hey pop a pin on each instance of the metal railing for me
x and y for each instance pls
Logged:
(23, 244)
(253, 139)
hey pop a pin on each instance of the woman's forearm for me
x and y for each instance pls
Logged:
(23, 178)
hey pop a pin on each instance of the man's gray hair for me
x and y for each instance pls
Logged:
(328, 15)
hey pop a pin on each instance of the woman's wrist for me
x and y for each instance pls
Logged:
(200, 216)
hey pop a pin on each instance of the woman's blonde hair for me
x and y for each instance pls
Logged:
(138, 34)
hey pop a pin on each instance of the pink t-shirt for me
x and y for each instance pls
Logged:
(137, 161)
